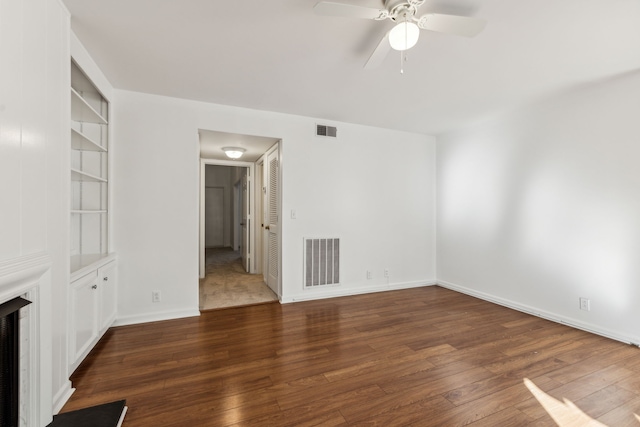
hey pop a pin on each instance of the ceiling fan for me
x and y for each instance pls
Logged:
(404, 35)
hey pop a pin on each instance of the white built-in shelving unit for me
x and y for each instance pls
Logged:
(89, 173)
(93, 286)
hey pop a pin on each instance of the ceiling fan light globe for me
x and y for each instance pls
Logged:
(404, 35)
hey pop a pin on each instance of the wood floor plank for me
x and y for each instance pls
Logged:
(419, 413)
(605, 400)
(506, 417)
(623, 415)
(418, 357)
(299, 417)
(474, 390)
(401, 363)
(533, 409)
(478, 409)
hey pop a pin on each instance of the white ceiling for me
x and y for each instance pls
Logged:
(277, 55)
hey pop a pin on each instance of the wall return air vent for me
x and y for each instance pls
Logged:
(324, 130)
(321, 262)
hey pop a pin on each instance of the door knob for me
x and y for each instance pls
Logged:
(267, 228)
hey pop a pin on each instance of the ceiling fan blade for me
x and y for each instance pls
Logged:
(349, 10)
(379, 54)
(452, 24)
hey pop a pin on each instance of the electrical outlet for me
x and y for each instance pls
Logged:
(156, 296)
(386, 272)
(585, 304)
(369, 274)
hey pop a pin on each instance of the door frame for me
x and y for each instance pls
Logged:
(237, 194)
(252, 246)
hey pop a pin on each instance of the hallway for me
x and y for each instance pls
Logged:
(226, 284)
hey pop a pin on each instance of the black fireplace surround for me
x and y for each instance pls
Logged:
(10, 361)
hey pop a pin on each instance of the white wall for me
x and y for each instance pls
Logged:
(541, 207)
(34, 177)
(371, 187)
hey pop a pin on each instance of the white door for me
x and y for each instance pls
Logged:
(214, 217)
(245, 223)
(272, 213)
(258, 226)
(237, 216)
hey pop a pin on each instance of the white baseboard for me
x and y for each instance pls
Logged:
(574, 323)
(155, 317)
(62, 396)
(338, 291)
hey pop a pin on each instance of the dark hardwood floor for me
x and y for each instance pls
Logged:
(419, 357)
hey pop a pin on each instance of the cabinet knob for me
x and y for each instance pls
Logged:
(94, 287)
(105, 279)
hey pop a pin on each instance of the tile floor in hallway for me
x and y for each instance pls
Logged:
(227, 284)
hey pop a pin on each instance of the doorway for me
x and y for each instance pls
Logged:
(231, 233)
(226, 197)
(229, 277)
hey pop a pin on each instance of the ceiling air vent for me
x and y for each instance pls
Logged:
(324, 130)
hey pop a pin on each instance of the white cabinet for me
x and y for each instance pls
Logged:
(93, 308)
(108, 296)
(89, 174)
(83, 321)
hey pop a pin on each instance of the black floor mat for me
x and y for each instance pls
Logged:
(106, 415)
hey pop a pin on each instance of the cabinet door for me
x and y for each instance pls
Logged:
(84, 325)
(108, 295)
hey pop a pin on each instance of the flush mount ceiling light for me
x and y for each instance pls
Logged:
(233, 152)
(404, 35)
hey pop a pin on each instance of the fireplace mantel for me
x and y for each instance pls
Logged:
(21, 272)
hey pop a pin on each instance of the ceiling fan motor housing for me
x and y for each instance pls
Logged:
(402, 10)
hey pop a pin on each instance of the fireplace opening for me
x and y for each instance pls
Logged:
(10, 361)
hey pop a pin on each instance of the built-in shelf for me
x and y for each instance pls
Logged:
(81, 264)
(77, 175)
(88, 211)
(81, 111)
(81, 142)
(89, 171)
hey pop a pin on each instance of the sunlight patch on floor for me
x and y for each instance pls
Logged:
(565, 413)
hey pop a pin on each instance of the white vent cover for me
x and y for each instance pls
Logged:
(324, 130)
(321, 262)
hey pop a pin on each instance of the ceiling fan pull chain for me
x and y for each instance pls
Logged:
(403, 53)
(403, 59)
